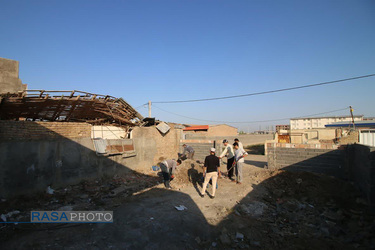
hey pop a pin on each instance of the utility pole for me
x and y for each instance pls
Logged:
(351, 113)
(149, 109)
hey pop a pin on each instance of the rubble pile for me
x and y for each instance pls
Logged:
(290, 209)
(187, 173)
(87, 195)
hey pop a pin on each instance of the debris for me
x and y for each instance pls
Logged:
(331, 215)
(84, 196)
(143, 191)
(254, 209)
(65, 208)
(255, 243)
(198, 240)
(239, 236)
(224, 238)
(29, 169)
(118, 190)
(181, 208)
(8, 215)
(163, 127)
(49, 190)
(361, 201)
(214, 244)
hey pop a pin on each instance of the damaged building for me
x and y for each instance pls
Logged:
(56, 138)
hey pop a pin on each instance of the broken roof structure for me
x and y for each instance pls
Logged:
(77, 106)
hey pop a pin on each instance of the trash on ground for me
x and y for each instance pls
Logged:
(181, 208)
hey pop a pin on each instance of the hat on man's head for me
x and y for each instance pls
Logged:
(213, 149)
(225, 140)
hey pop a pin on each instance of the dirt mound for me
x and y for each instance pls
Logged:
(189, 172)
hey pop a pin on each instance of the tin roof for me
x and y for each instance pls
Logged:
(200, 127)
(370, 123)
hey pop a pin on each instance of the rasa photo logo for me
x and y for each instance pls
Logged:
(71, 216)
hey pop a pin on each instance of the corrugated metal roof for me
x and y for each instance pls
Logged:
(200, 127)
(370, 123)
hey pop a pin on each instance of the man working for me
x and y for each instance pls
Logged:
(239, 154)
(211, 170)
(228, 150)
(168, 168)
(188, 151)
(239, 143)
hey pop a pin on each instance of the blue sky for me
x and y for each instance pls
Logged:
(178, 50)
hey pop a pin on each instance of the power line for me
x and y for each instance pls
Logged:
(270, 91)
(143, 105)
(281, 119)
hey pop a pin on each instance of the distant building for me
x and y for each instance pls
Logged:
(320, 122)
(211, 130)
(263, 132)
(282, 127)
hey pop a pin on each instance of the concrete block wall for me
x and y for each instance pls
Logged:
(153, 147)
(361, 165)
(299, 158)
(353, 162)
(245, 139)
(201, 148)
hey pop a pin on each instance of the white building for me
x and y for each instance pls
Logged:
(319, 122)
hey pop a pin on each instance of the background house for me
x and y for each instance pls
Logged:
(320, 122)
(211, 130)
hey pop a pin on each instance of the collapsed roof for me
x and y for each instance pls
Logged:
(74, 106)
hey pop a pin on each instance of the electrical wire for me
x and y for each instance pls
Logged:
(270, 91)
(261, 121)
(143, 105)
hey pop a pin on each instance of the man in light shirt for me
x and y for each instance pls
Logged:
(239, 154)
(239, 143)
(229, 152)
(168, 169)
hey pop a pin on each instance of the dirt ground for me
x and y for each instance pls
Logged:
(270, 210)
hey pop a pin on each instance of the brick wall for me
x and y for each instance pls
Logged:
(306, 157)
(27, 130)
(351, 138)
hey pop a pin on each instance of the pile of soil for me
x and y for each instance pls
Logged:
(188, 173)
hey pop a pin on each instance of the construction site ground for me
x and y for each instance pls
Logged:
(269, 210)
